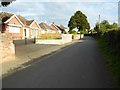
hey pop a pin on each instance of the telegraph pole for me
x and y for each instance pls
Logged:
(99, 21)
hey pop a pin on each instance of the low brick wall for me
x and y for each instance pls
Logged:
(50, 35)
(76, 37)
(81, 36)
(7, 48)
(49, 41)
(65, 39)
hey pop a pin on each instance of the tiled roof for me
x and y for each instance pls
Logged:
(23, 20)
(62, 27)
(29, 22)
(56, 27)
(4, 16)
(44, 26)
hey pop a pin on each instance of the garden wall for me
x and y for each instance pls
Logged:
(7, 48)
(76, 37)
(50, 35)
(65, 39)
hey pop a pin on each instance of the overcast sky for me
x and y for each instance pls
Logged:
(60, 11)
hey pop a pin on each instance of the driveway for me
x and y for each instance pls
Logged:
(77, 66)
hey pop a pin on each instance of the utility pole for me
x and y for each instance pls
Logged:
(99, 21)
(119, 14)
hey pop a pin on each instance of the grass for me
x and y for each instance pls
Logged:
(112, 60)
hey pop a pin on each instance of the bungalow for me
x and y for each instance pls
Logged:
(10, 23)
(55, 28)
(31, 29)
(18, 26)
(46, 29)
(63, 29)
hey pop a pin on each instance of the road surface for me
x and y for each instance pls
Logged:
(77, 66)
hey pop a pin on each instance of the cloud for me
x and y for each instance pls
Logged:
(60, 12)
(68, 0)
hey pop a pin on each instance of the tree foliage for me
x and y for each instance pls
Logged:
(105, 26)
(72, 23)
(79, 21)
(5, 3)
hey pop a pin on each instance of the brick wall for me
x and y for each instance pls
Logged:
(51, 35)
(65, 39)
(7, 48)
(76, 36)
(15, 36)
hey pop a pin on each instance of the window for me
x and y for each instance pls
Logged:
(13, 29)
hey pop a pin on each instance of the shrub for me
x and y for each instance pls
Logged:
(73, 32)
(112, 38)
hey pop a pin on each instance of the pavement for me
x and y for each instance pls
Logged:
(27, 53)
(77, 66)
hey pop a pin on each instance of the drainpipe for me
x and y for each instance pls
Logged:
(34, 39)
(25, 37)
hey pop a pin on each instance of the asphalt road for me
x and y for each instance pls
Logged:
(77, 66)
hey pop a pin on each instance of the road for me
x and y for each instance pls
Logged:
(77, 66)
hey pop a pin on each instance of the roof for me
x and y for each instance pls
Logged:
(44, 26)
(53, 24)
(29, 22)
(62, 27)
(4, 16)
(23, 20)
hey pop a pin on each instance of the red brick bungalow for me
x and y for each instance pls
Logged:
(31, 29)
(10, 23)
(18, 26)
(46, 28)
(55, 28)
(63, 29)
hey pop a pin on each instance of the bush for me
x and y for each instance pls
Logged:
(73, 32)
(112, 38)
(118, 42)
(82, 32)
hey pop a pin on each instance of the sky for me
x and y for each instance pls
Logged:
(60, 11)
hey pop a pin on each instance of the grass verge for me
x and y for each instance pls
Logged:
(112, 60)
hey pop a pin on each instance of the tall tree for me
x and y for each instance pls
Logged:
(80, 21)
(72, 23)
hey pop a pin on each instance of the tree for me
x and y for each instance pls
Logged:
(114, 25)
(96, 28)
(79, 21)
(105, 26)
(5, 3)
(72, 23)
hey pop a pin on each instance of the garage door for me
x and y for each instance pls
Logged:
(13, 29)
